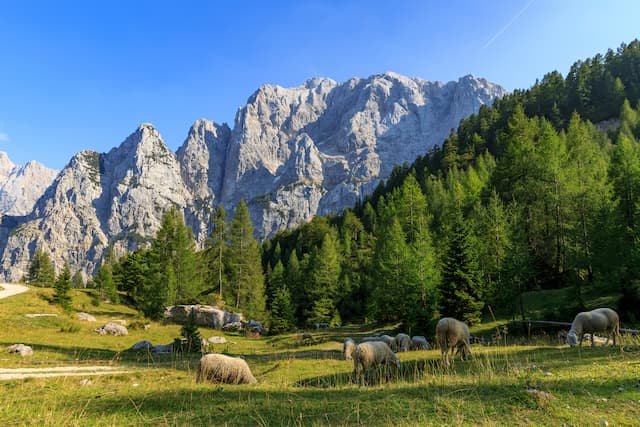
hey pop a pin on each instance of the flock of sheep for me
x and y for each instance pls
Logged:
(380, 351)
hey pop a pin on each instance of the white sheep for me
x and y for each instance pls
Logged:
(224, 369)
(598, 320)
(348, 348)
(403, 342)
(453, 334)
(418, 342)
(370, 355)
(382, 338)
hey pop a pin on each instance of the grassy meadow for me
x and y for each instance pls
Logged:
(303, 383)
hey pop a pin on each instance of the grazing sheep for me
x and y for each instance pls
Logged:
(382, 338)
(372, 354)
(403, 342)
(224, 369)
(598, 320)
(452, 334)
(418, 342)
(348, 349)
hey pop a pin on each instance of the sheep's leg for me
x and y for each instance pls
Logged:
(593, 342)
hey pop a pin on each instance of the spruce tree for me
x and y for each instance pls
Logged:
(63, 286)
(460, 287)
(282, 316)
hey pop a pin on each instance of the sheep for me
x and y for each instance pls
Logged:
(452, 334)
(371, 354)
(382, 338)
(418, 342)
(403, 342)
(224, 369)
(598, 320)
(348, 348)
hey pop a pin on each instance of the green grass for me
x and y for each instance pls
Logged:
(305, 385)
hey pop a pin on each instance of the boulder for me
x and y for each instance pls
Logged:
(253, 326)
(21, 349)
(206, 315)
(217, 340)
(112, 329)
(162, 348)
(232, 326)
(86, 317)
(142, 345)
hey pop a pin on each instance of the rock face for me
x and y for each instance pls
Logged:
(21, 186)
(292, 153)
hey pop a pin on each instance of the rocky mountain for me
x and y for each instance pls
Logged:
(292, 153)
(21, 186)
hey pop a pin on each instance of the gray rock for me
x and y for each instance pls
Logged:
(232, 326)
(162, 348)
(253, 326)
(86, 317)
(206, 315)
(112, 329)
(140, 345)
(21, 349)
(217, 340)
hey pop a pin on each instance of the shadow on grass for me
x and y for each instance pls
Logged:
(210, 404)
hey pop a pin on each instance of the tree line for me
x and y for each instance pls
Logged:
(527, 194)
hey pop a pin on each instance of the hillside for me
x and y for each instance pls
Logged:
(508, 382)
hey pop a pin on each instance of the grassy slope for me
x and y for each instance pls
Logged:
(305, 385)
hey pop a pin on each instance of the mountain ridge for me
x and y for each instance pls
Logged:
(292, 153)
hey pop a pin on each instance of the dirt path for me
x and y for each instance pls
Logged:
(60, 371)
(9, 289)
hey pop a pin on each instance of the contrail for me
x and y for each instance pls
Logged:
(506, 27)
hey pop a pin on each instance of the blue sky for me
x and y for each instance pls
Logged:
(83, 75)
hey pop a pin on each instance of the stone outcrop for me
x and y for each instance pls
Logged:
(291, 154)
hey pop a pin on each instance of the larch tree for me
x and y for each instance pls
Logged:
(245, 266)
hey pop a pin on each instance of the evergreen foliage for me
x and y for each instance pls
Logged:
(247, 291)
(41, 271)
(191, 334)
(526, 194)
(62, 287)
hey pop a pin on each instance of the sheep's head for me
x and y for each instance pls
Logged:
(572, 338)
(396, 361)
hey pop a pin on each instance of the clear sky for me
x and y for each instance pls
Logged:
(84, 74)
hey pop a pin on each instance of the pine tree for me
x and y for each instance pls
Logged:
(41, 271)
(245, 266)
(63, 286)
(460, 287)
